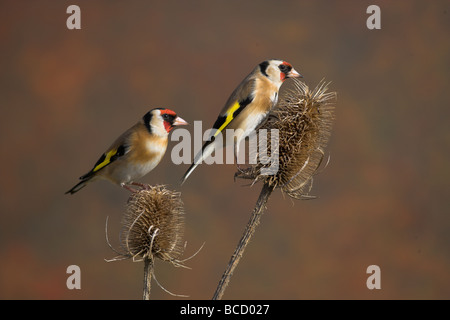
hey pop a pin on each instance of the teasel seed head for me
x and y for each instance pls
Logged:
(153, 225)
(303, 118)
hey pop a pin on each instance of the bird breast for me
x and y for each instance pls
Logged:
(147, 153)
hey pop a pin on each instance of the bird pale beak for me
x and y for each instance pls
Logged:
(293, 74)
(179, 122)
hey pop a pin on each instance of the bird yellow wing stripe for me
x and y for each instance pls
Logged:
(106, 161)
(230, 114)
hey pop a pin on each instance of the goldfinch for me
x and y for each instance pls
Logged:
(136, 152)
(248, 106)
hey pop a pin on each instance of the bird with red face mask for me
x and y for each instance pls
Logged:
(247, 107)
(136, 152)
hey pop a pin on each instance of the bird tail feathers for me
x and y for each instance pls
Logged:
(80, 185)
(206, 151)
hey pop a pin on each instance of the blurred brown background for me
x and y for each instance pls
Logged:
(65, 94)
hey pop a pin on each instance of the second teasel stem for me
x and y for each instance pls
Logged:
(248, 233)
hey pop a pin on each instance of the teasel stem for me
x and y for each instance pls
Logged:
(247, 235)
(148, 272)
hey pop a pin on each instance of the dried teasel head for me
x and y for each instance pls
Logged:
(303, 119)
(153, 225)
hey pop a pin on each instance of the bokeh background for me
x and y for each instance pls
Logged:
(383, 199)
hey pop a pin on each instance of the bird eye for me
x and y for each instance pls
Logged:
(168, 117)
(284, 68)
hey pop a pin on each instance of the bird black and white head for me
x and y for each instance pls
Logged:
(161, 121)
(278, 70)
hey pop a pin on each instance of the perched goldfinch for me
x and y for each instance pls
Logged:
(136, 152)
(247, 106)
